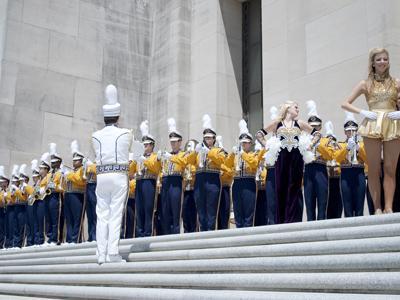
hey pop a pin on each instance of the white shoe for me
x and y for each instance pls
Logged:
(115, 258)
(101, 259)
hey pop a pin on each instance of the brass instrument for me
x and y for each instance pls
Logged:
(84, 163)
(239, 160)
(315, 141)
(203, 157)
(353, 154)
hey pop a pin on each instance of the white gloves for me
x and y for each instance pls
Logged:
(166, 155)
(159, 155)
(351, 143)
(234, 149)
(394, 115)
(190, 146)
(141, 159)
(198, 147)
(370, 115)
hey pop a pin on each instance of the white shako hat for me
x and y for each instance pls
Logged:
(14, 173)
(146, 137)
(112, 108)
(76, 154)
(328, 126)
(45, 160)
(55, 157)
(244, 135)
(174, 135)
(3, 176)
(350, 122)
(22, 172)
(208, 130)
(34, 168)
(314, 118)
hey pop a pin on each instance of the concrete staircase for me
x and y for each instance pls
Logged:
(354, 258)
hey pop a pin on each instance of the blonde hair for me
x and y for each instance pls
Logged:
(371, 69)
(283, 109)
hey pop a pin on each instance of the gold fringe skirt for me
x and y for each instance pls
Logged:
(382, 128)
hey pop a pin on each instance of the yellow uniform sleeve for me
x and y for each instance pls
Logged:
(341, 153)
(132, 188)
(76, 178)
(29, 190)
(191, 158)
(44, 181)
(20, 195)
(217, 157)
(227, 175)
(251, 160)
(180, 161)
(230, 161)
(132, 169)
(152, 164)
(58, 181)
(325, 151)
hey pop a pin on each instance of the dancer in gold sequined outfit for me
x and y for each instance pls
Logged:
(380, 128)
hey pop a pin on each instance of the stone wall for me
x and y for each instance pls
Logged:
(175, 58)
(319, 50)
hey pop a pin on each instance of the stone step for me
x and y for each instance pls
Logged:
(361, 283)
(368, 245)
(98, 292)
(280, 228)
(359, 232)
(372, 245)
(379, 262)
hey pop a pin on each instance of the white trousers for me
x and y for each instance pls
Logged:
(112, 192)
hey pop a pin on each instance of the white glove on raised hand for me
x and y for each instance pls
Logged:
(141, 159)
(370, 115)
(394, 115)
(234, 149)
(198, 148)
(159, 155)
(351, 143)
(166, 155)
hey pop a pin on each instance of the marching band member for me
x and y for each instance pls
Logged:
(227, 174)
(21, 199)
(335, 205)
(207, 187)
(74, 202)
(147, 171)
(111, 146)
(31, 214)
(260, 217)
(244, 190)
(13, 228)
(289, 157)
(352, 157)
(189, 212)
(91, 200)
(44, 191)
(54, 200)
(173, 166)
(128, 223)
(380, 128)
(4, 181)
(315, 172)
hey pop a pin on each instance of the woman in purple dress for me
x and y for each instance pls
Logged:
(289, 149)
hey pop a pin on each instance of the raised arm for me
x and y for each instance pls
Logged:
(304, 126)
(359, 90)
(271, 127)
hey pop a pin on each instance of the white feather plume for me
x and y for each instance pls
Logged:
(111, 94)
(328, 126)
(131, 156)
(171, 125)
(22, 169)
(207, 122)
(15, 170)
(34, 164)
(74, 147)
(2, 171)
(273, 146)
(45, 156)
(52, 148)
(144, 128)
(312, 108)
(305, 141)
(219, 142)
(243, 127)
(349, 117)
(273, 113)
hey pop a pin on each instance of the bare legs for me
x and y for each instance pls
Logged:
(373, 149)
(391, 151)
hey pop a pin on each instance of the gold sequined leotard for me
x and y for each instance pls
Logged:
(381, 98)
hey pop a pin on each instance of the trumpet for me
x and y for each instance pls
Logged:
(239, 160)
(354, 159)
